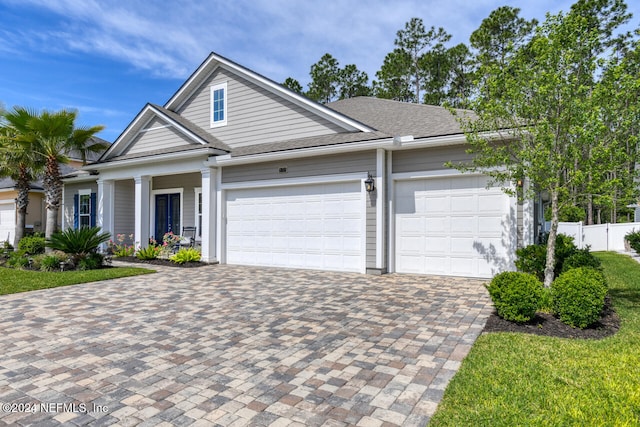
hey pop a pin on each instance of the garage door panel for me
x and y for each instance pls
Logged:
(317, 226)
(458, 227)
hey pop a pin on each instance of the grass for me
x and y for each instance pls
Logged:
(517, 379)
(13, 281)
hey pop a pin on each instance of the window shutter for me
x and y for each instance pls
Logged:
(92, 211)
(76, 211)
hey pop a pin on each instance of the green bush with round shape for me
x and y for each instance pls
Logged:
(91, 262)
(581, 258)
(516, 295)
(578, 296)
(31, 245)
(633, 237)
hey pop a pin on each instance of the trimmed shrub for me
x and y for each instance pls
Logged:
(185, 255)
(532, 259)
(633, 237)
(31, 245)
(578, 296)
(581, 258)
(516, 295)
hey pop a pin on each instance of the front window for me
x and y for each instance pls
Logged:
(219, 105)
(199, 212)
(84, 214)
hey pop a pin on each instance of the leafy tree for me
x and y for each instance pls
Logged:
(325, 79)
(462, 74)
(353, 82)
(18, 163)
(293, 84)
(423, 47)
(50, 136)
(535, 129)
(501, 35)
(394, 78)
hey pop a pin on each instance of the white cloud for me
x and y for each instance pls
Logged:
(277, 38)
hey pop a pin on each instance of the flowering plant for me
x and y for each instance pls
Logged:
(120, 247)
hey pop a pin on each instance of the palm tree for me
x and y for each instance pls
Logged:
(52, 135)
(19, 164)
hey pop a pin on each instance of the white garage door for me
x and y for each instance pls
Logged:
(7, 222)
(318, 226)
(452, 226)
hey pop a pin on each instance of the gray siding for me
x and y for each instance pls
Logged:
(187, 182)
(124, 208)
(428, 159)
(69, 191)
(157, 139)
(254, 115)
(305, 167)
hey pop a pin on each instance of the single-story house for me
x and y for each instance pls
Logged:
(271, 178)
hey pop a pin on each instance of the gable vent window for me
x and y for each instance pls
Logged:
(219, 105)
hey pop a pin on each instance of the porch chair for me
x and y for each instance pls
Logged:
(188, 237)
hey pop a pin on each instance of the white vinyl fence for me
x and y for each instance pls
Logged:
(602, 237)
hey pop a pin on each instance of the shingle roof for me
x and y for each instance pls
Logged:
(397, 118)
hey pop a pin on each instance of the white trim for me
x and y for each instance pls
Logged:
(196, 191)
(225, 111)
(381, 175)
(84, 191)
(228, 160)
(7, 202)
(154, 128)
(440, 173)
(155, 158)
(152, 209)
(221, 218)
(322, 179)
(391, 223)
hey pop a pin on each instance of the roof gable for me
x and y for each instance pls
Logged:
(154, 118)
(215, 61)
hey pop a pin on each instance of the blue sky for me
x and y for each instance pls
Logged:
(108, 58)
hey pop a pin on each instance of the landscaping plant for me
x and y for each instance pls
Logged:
(633, 237)
(78, 243)
(31, 245)
(516, 295)
(148, 253)
(578, 296)
(185, 255)
(120, 248)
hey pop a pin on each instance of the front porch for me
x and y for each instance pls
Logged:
(148, 206)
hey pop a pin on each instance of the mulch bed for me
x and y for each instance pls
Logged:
(549, 325)
(159, 261)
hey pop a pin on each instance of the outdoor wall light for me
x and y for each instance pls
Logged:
(369, 184)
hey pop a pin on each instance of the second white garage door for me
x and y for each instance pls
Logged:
(318, 226)
(452, 226)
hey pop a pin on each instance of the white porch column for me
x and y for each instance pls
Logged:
(209, 232)
(104, 214)
(142, 191)
(381, 187)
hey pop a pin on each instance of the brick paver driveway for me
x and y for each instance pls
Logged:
(228, 345)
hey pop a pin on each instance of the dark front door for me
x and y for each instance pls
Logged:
(167, 214)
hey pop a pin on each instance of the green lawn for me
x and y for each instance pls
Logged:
(516, 379)
(13, 281)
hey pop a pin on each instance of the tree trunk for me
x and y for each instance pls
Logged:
(20, 222)
(551, 242)
(23, 186)
(52, 195)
